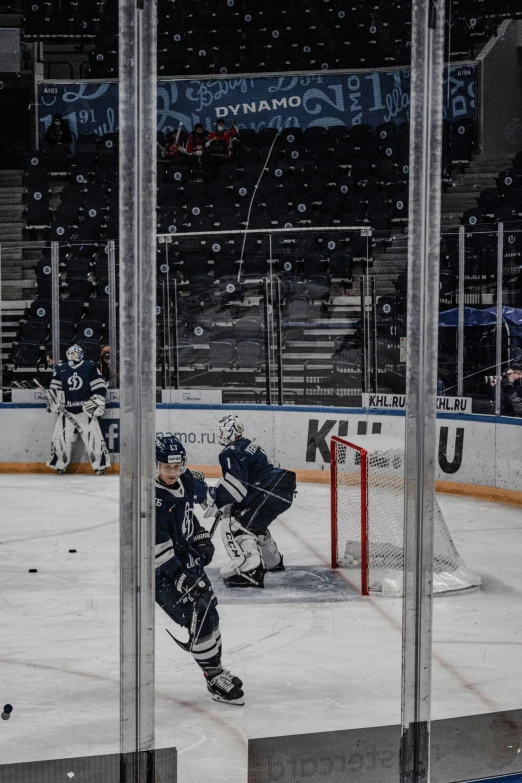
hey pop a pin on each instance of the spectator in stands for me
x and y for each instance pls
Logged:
(104, 363)
(173, 148)
(511, 391)
(197, 140)
(219, 142)
(58, 131)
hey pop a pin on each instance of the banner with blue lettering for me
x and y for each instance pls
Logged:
(260, 102)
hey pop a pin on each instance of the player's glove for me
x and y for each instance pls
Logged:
(55, 401)
(95, 406)
(198, 475)
(210, 504)
(204, 545)
(190, 586)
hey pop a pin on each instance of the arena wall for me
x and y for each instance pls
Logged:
(477, 455)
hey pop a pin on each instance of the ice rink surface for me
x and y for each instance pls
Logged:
(313, 654)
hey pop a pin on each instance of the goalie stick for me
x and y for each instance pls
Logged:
(193, 637)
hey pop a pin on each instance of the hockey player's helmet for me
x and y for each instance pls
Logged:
(230, 429)
(171, 451)
(75, 353)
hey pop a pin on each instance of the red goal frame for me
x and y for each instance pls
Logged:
(335, 441)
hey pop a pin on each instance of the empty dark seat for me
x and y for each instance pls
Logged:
(89, 329)
(249, 355)
(222, 354)
(35, 331)
(99, 309)
(41, 309)
(27, 354)
(91, 349)
(67, 329)
(72, 308)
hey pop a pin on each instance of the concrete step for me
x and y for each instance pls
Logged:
(470, 188)
(11, 294)
(11, 212)
(28, 274)
(454, 200)
(10, 255)
(11, 235)
(11, 273)
(10, 179)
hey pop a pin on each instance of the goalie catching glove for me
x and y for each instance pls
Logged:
(94, 406)
(55, 401)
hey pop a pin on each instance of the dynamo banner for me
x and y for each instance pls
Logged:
(260, 102)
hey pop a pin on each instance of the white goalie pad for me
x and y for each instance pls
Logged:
(269, 552)
(241, 546)
(55, 400)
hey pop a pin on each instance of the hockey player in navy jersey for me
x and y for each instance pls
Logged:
(251, 494)
(183, 549)
(77, 387)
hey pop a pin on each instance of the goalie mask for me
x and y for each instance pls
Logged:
(74, 353)
(170, 451)
(230, 429)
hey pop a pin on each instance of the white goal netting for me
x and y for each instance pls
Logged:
(368, 519)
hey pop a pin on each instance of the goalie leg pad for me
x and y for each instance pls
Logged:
(94, 442)
(61, 443)
(246, 568)
(272, 557)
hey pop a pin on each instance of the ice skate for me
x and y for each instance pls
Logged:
(223, 688)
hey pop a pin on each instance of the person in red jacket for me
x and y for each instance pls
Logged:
(173, 148)
(219, 142)
(196, 140)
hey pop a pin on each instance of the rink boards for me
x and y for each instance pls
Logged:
(476, 454)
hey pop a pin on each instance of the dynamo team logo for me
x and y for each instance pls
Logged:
(75, 382)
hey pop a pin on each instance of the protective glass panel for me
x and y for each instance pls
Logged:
(474, 640)
(282, 222)
(59, 488)
(59, 483)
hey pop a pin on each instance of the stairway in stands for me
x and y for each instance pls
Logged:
(467, 187)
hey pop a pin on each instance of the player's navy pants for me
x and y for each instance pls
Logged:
(272, 501)
(206, 649)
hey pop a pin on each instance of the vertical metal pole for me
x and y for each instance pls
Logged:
(113, 329)
(166, 335)
(137, 117)
(280, 381)
(364, 356)
(267, 348)
(421, 383)
(500, 320)
(55, 301)
(1, 336)
(375, 363)
(460, 328)
(176, 348)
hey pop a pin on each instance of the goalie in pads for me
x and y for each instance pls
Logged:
(77, 394)
(251, 494)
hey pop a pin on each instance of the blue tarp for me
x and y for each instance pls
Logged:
(475, 317)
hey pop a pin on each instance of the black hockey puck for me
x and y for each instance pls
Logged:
(72, 551)
(6, 714)
(33, 570)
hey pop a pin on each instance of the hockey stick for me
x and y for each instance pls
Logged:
(193, 637)
(65, 412)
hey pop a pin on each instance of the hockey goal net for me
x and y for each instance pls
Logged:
(367, 493)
